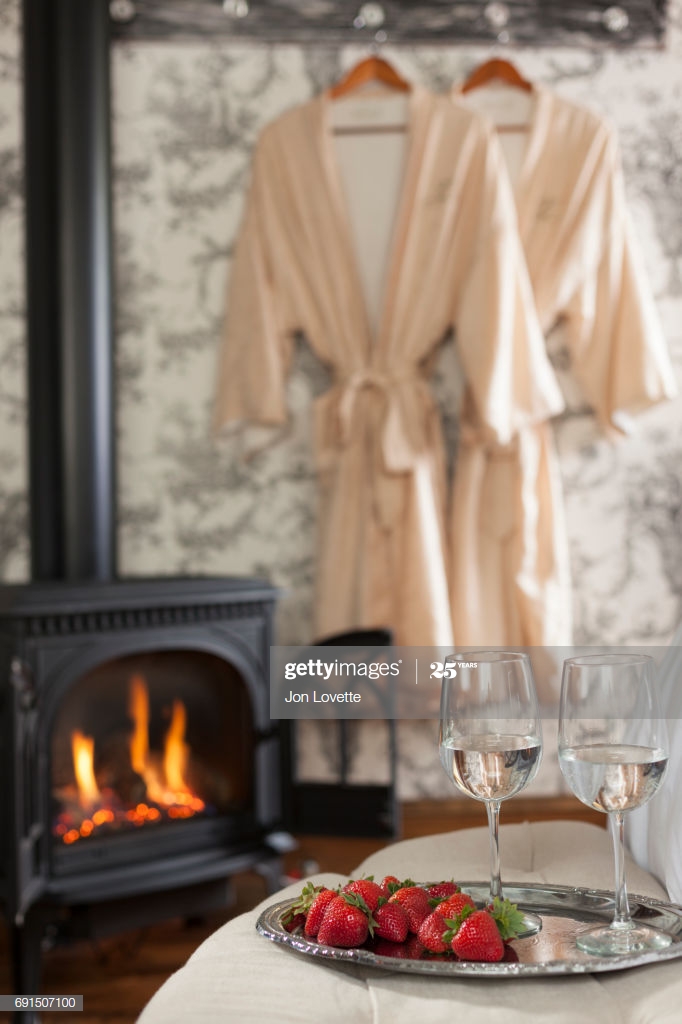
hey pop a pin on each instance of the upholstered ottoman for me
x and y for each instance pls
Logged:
(238, 976)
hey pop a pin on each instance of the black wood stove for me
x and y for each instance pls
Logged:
(134, 725)
(140, 767)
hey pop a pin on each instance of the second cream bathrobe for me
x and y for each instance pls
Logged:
(510, 579)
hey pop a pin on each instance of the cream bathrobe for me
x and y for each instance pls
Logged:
(455, 262)
(510, 580)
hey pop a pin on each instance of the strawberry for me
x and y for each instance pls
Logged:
(368, 889)
(415, 903)
(431, 933)
(292, 923)
(317, 910)
(441, 890)
(302, 904)
(391, 922)
(478, 938)
(454, 905)
(345, 923)
(389, 885)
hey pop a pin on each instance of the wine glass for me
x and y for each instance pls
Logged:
(613, 752)
(490, 737)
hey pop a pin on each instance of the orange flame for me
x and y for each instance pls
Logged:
(83, 752)
(165, 781)
(138, 708)
(176, 753)
(162, 774)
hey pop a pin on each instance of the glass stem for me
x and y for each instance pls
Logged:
(493, 808)
(621, 917)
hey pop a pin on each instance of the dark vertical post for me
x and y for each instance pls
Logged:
(86, 314)
(66, 63)
(42, 292)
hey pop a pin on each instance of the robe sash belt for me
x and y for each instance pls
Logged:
(509, 476)
(389, 408)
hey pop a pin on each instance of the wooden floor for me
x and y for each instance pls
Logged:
(118, 976)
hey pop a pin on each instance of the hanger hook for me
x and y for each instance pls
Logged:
(371, 15)
(236, 8)
(497, 15)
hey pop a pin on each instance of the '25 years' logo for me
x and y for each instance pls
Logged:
(441, 670)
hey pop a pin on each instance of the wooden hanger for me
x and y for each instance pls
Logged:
(499, 70)
(496, 69)
(372, 69)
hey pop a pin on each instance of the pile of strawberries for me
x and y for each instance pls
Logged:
(437, 918)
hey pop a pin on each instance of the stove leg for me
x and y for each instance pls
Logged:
(26, 964)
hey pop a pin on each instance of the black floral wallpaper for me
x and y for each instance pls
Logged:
(185, 117)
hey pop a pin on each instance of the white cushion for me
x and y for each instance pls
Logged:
(563, 852)
(238, 976)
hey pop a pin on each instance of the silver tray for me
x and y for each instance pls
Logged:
(565, 911)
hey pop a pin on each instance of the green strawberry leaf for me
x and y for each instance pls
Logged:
(355, 900)
(455, 923)
(434, 901)
(304, 901)
(288, 916)
(508, 918)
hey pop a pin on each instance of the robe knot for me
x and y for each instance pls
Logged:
(401, 441)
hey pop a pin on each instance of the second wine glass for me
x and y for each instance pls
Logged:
(490, 737)
(613, 752)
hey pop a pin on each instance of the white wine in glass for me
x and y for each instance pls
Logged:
(490, 737)
(613, 752)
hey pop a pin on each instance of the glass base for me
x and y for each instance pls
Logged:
(532, 924)
(619, 939)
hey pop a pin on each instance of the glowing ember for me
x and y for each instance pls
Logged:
(164, 775)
